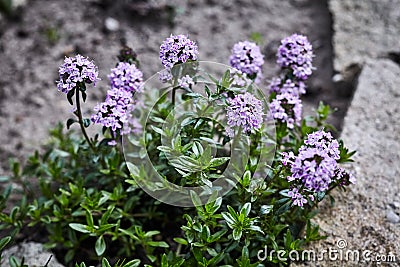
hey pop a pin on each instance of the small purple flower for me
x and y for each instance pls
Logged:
(295, 88)
(247, 58)
(286, 108)
(185, 82)
(295, 52)
(324, 141)
(126, 76)
(165, 75)
(177, 49)
(244, 110)
(297, 198)
(239, 79)
(344, 177)
(112, 143)
(76, 70)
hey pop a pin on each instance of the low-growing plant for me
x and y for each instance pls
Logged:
(197, 166)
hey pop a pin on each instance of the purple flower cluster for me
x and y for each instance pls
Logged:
(185, 82)
(244, 110)
(127, 77)
(315, 167)
(295, 52)
(116, 111)
(280, 86)
(247, 58)
(76, 70)
(297, 198)
(239, 79)
(177, 49)
(286, 108)
(165, 75)
(112, 113)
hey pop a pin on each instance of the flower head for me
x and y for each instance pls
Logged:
(297, 198)
(315, 167)
(295, 52)
(289, 86)
(239, 79)
(286, 108)
(76, 70)
(112, 112)
(185, 82)
(177, 49)
(165, 75)
(244, 110)
(127, 77)
(247, 58)
(115, 112)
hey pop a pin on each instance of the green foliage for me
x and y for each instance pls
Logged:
(6, 6)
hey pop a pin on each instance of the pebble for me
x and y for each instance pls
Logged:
(392, 217)
(111, 24)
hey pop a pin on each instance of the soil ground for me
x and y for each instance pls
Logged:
(34, 41)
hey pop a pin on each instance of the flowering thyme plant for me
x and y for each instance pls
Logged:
(200, 165)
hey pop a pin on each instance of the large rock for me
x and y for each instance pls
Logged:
(360, 215)
(364, 29)
(34, 254)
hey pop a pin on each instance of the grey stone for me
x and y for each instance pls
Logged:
(392, 217)
(360, 215)
(34, 254)
(19, 3)
(111, 24)
(364, 29)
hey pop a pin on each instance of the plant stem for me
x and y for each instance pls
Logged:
(79, 115)
(173, 95)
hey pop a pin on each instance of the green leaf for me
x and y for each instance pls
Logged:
(237, 234)
(218, 161)
(89, 219)
(151, 233)
(14, 262)
(84, 96)
(160, 244)
(80, 227)
(105, 263)
(6, 6)
(266, 209)
(158, 130)
(180, 240)
(4, 241)
(70, 95)
(216, 236)
(246, 179)
(132, 263)
(246, 209)
(284, 208)
(100, 246)
(195, 198)
(164, 261)
(230, 221)
(70, 122)
(86, 122)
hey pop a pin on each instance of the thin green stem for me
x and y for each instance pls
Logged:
(78, 113)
